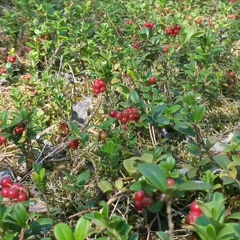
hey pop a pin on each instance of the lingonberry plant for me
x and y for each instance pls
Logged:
(122, 117)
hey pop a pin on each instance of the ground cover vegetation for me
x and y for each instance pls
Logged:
(121, 118)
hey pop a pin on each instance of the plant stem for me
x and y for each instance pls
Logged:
(169, 214)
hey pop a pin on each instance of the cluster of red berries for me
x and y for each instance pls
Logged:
(73, 144)
(149, 25)
(3, 71)
(195, 213)
(11, 59)
(14, 190)
(2, 140)
(143, 201)
(20, 129)
(166, 48)
(26, 77)
(173, 31)
(233, 16)
(129, 22)
(99, 86)
(128, 115)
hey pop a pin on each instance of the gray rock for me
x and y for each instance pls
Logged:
(80, 110)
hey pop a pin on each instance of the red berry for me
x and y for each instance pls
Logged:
(96, 91)
(126, 113)
(140, 195)
(96, 85)
(178, 27)
(147, 202)
(102, 89)
(194, 207)
(4, 192)
(199, 21)
(22, 197)
(102, 83)
(192, 218)
(3, 139)
(133, 110)
(124, 120)
(112, 113)
(19, 130)
(168, 30)
(136, 116)
(74, 144)
(171, 182)
(13, 193)
(231, 74)
(118, 115)
(165, 49)
(6, 182)
(131, 117)
(152, 80)
(11, 59)
(137, 45)
(3, 70)
(138, 205)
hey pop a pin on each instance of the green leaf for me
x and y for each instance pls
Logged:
(37, 226)
(186, 128)
(159, 110)
(75, 128)
(199, 112)
(147, 157)
(20, 214)
(70, 187)
(130, 165)
(193, 148)
(222, 161)
(119, 184)
(105, 186)
(63, 232)
(162, 235)
(194, 185)
(4, 117)
(227, 180)
(81, 229)
(155, 175)
(134, 236)
(134, 97)
(82, 178)
(235, 215)
(173, 109)
(163, 120)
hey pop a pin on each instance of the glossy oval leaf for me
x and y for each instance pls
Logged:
(81, 229)
(155, 175)
(193, 186)
(63, 232)
(199, 112)
(186, 128)
(134, 97)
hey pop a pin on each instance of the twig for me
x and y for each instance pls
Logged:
(169, 214)
(82, 212)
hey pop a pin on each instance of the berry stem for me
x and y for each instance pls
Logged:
(169, 214)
